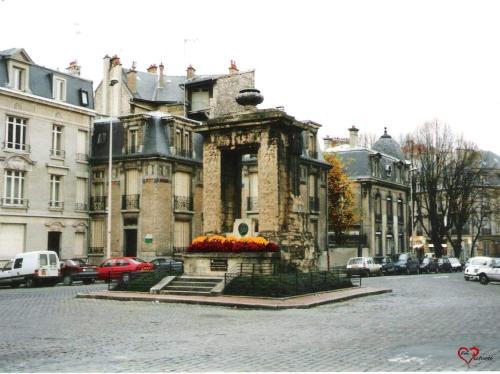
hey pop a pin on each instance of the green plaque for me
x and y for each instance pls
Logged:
(243, 229)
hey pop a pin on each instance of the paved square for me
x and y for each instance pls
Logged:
(418, 327)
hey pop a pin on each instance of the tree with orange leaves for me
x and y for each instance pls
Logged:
(341, 213)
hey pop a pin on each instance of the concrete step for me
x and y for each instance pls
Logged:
(187, 288)
(198, 279)
(190, 293)
(194, 284)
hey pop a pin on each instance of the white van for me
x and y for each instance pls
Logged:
(32, 269)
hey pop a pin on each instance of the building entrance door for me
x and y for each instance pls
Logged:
(54, 242)
(130, 242)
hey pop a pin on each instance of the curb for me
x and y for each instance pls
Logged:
(240, 302)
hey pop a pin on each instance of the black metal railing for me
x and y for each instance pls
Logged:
(56, 205)
(184, 203)
(82, 157)
(16, 146)
(98, 203)
(280, 280)
(96, 251)
(486, 231)
(15, 202)
(139, 281)
(57, 153)
(130, 202)
(81, 206)
(187, 153)
(252, 203)
(314, 204)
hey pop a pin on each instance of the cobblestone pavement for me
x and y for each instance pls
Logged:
(418, 327)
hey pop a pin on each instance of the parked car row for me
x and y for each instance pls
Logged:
(44, 268)
(402, 263)
(483, 269)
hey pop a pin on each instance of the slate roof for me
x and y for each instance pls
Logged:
(148, 90)
(389, 146)
(41, 78)
(155, 140)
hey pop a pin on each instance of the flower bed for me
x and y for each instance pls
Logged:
(231, 244)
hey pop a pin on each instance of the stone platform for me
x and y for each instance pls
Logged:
(297, 302)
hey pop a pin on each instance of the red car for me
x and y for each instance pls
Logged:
(115, 267)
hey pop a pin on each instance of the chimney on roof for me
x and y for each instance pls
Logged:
(162, 77)
(233, 69)
(74, 68)
(132, 78)
(190, 72)
(327, 142)
(353, 137)
(115, 60)
(152, 69)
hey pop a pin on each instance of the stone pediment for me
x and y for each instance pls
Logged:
(18, 162)
(55, 226)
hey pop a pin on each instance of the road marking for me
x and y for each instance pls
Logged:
(441, 277)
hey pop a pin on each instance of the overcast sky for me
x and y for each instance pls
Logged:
(340, 63)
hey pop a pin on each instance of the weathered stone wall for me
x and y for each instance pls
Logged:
(212, 205)
(226, 89)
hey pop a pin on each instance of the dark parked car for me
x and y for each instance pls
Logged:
(387, 264)
(77, 269)
(444, 265)
(428, 265)
(168, 264)
(406, 263)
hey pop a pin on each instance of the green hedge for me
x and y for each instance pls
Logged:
(289, 284)
(142, 282)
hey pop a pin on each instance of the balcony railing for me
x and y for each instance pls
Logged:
(137, 148)
(96, 251)
(82, 157)
(130, 202)
(16, 146)
(188, 153)
(252, 203)
(486, 231)
(57, 153)
(98, 203)
(81, 206)
(313, 204)
(56, 205)
(15, 202)
(378, 217)
(184, 203)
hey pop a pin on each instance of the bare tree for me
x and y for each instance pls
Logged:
(367, 139)
(443, 185)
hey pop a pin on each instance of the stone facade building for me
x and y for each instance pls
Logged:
(46, 118)
(381, 188)
(157, 156)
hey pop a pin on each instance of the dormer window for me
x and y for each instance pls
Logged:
(84, 97)
(19, 78)
(388, 170)
(59, 89)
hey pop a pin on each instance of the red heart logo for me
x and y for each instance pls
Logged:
(473, 352)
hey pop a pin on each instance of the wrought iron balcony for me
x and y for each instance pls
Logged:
(130, 202)
(81, 206)
(82, 157)
(184, 203)
(57, 153)
(98, 203)
(16, 146)
(15, 202)
(252, 203)
(96, 251)
(59, 205)
(314, 204)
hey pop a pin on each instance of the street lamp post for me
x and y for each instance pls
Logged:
(110, 171)
(412, 208)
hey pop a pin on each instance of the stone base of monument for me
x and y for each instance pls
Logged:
(219, 263)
